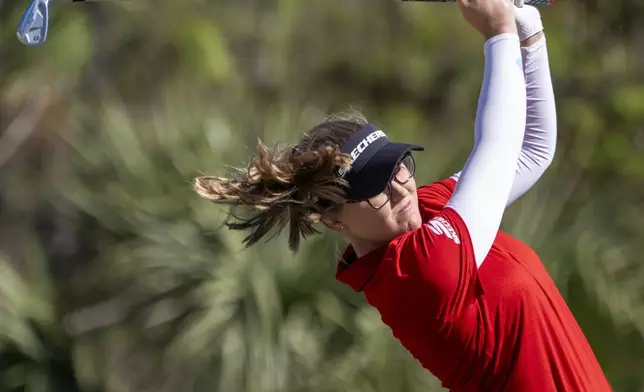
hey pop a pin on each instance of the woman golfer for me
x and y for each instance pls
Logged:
(475, 306)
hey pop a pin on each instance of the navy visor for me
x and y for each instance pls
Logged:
(374, 159)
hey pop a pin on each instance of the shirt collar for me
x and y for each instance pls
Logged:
(358, 272)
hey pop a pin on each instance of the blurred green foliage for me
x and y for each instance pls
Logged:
(115, 277)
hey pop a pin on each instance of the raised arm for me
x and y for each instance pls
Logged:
(482, 192)
(540, 139)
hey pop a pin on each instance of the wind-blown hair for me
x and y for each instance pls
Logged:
(295, 186)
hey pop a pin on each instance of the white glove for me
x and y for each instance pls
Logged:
(528, 21)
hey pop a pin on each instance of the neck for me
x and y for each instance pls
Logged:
(362, 247)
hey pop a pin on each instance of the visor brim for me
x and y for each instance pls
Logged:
(377, 172)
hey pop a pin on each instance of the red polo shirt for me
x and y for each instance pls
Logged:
(503, 327)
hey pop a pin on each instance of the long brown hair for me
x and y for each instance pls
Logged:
(295, 186)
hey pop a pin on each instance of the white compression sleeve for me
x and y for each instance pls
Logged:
(540, 139)
(482, 192)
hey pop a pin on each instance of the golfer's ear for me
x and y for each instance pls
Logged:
(332, 223)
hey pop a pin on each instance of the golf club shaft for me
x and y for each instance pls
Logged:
(77, 1)
(526, 2)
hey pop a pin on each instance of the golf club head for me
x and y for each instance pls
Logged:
(33, 26)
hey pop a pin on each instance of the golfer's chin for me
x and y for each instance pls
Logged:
(413, 220)
(416, 221)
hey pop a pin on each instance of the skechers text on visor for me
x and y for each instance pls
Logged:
(374, 159)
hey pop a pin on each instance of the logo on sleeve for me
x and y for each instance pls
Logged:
(440, 226)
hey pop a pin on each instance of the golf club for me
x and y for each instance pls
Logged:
(34, 24)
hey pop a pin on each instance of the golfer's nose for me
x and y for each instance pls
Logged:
(398, 192)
